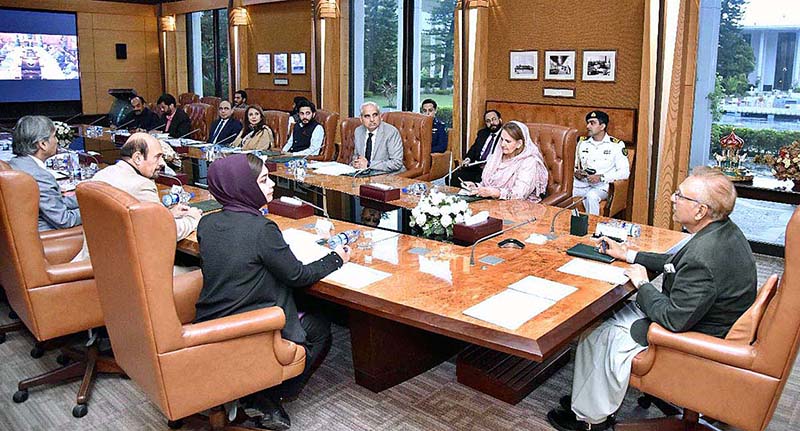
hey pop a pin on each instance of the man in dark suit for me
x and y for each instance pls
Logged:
(34, 142)
(224, 129)
(708, 284)
(485, 143)
(176, 122)
(141, 119)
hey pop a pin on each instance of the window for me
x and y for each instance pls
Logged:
(207, 46)
(403, 54)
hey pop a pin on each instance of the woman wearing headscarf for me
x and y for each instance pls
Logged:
(515, 170)
(247, 265)
(255, 135)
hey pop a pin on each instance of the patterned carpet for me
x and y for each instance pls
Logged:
(331, 401)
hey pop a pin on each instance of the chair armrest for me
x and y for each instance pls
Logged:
(617, 197)
(69, 272)
(411, 173)
(235, 326)
(439, 165)
(61, 233)
(185, 291)
(555, 199)
(62, 249)
(704, 346)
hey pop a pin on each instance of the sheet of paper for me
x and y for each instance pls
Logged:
(509, 309)
(356, 276)
(384, 246)
(542, 288)
(335, 169)
(304, 245)
(595, 270)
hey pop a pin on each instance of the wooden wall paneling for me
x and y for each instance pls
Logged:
(187, 6)
(331, 69)
(478, 17)
(87, 6)
(344, 59)
(458, 147)
(181, 56)
(676, 142)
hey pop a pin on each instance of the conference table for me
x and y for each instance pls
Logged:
(414, 319)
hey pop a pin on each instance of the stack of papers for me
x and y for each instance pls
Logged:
(331, 168)
(595, 270)
(521, 302)
(305, 248)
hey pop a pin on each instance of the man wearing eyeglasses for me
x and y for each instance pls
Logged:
(708, 284)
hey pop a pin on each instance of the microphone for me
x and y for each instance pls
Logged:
(155, 129)
(552, 235)
(73, 117)
(226, 139)
(187, 134)
(492, 235)
(356, 174)
(96, 121)
(450, 173)
(166, 175)
(477, 163)
(324, 211)
(123, 125)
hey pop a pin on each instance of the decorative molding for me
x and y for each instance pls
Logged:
(327, 9)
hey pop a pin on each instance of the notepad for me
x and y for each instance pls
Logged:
(595, 270)
(333, 168)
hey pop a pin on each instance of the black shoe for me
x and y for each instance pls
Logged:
(565, 420)
(275, 417)
(566, 402)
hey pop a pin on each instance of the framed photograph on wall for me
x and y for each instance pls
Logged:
(264, 63)
(282, 62)
(524, 65)
(599, 66)
(559, 65)
(298, 63)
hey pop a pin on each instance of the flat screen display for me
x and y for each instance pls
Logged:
(38, 56)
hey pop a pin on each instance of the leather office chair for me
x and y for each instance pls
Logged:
(737, 380)
(442, 162)
(557, 144)
(347, 148)
(416, 133)
(187, 98)
(51, 296)
(202, 115)
(278, 121)
(183, 367)
(211, 100)
(617, 200)
(241, 115)
(329, 122)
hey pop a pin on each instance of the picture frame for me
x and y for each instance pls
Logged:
(599, 66)
(281, 62)
(523, 65)
(298, 63)
(264, 63)
(559, 65)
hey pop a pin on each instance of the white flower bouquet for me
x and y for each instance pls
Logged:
(436, 213)
(64, 134)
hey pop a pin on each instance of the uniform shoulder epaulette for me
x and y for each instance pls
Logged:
(615, 140)
(582, 138)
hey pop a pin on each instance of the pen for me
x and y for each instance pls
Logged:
(603, 246)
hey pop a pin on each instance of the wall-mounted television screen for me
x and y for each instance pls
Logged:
(38, 56)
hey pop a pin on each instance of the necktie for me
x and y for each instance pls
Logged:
(368, 151)
(489, 147)
(217, 131)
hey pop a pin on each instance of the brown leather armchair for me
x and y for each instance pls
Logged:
(51, 296)
(214, 101)
(202, 115)
(187, 98)
(557, 144)
(442, 162)
(329, 122)
(737, 380)
(278, 121)
(241, 115)
(617, 200)
(416, 132)
(183, 367)
(348, 144)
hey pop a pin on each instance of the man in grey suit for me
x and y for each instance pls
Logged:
(708, 284)
(34, 141)
(378, 144)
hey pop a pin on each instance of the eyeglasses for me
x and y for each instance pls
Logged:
(678, 194)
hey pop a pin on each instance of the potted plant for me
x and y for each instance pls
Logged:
(436, 213)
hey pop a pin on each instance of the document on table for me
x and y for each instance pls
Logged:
(521, 302)
(305, 248)
(595, 270)
(332, 168)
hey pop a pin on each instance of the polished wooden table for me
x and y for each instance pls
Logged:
(405, 324)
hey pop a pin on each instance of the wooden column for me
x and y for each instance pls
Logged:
(677, 109)
(475, 54)
(328, 38)
(458, 93)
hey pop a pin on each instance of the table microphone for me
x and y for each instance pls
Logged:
(96, 121)
(187, 134)
(166, 175)
(223, 140)
(324, 211)
(492, 235)
(356, 174)
(552, 235)
(123, 125)
(155, 129)
(73, 117)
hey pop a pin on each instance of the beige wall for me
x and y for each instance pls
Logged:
(101, 25)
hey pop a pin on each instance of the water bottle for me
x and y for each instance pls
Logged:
(344, 238)
(417, 189)
(174, 198)
(74, 166)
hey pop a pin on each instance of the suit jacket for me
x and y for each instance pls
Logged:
(147, 120)
(122, 176)
(387, 148)
(181, 123)
(439, 138)
(707, 284)
(474, 152)
(228, 133)
(55, 210)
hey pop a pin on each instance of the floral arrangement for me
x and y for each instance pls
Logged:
(786, 165)
(436, 213)
(64, 134)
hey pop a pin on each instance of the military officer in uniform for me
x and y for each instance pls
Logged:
(600, 160)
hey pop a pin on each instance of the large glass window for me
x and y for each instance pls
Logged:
(403, 54)
(207, 45)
